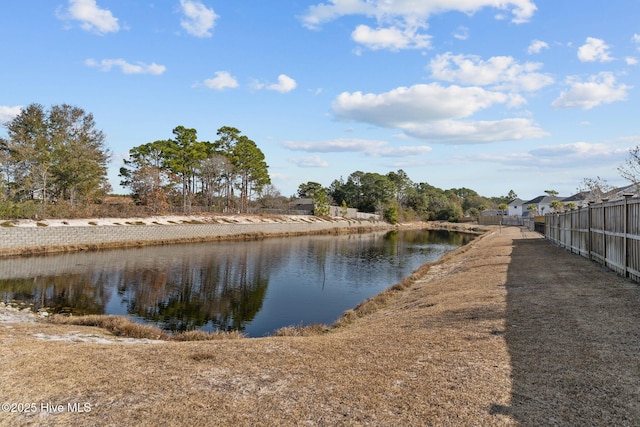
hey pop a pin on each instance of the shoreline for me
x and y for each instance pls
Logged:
(94, 234)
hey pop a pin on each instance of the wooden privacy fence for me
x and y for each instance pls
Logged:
(608, 233)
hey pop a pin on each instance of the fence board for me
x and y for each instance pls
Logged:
(608, 233)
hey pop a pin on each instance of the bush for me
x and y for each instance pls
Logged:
(391, 215)
(24, 210)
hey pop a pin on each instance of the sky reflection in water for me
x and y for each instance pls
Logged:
(256, 287)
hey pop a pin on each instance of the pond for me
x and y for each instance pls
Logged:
(256, 287)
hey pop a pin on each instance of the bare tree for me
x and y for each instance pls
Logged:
(214, 173)
(596, 188)
(630, 170)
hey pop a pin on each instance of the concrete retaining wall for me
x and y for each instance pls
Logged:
(114, 235)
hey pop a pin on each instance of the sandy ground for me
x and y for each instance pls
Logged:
(508, 330)
(165, 220)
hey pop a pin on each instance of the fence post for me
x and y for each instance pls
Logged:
(571, 228)
(589, 229)
(626, 232)
(604, 230)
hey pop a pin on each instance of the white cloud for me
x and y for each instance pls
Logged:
(9, 113)
(594, 50)
(285, 84)
(579, 150)
(125, 67)
(199, 20)
(373, 148)
(402, 151)
(630, 60)
(475, 132)
(392, 38)
(430, 112)
(410, 10)
(399, 21)
(421, 102)
(561, 156)
(599, 89)
(501, 72)
(310, 162)
(222, 80)
(92, 18)
(462, 33)
(536, 46)
(336, 145)
(636, 39)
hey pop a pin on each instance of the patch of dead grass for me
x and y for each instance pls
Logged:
(124, 327)
(302, 331)
(118, 325)
(207, 336)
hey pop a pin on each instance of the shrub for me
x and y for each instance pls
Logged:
(391, 214)
(23, 210)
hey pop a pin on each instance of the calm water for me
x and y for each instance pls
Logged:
(256, 287)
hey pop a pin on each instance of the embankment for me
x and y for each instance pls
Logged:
(41, 238)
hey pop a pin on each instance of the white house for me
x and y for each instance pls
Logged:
(516, 207)
(542, 205)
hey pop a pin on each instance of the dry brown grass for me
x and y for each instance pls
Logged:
(122, 326)
(376, 302)
(117, 325)
(504, 332)
(302, 331)
(206, 336)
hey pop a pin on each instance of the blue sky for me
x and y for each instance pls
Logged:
(491, 95)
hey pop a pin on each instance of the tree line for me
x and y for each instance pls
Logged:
(56, 157)
(397, 197)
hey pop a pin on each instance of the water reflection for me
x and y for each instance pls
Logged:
(255, 287)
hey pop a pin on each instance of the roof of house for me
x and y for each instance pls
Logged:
(543, 200)
(516, 201)
(618, 193)
(578, 197)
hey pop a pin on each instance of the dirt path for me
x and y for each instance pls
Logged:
(506, 331)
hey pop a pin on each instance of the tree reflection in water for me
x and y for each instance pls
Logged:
(224, 285)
